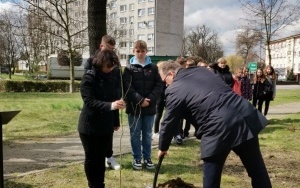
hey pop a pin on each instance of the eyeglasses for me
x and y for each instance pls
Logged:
(140, 51)
(164, 80)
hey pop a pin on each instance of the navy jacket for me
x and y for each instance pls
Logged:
(98, 91)
(222, 118)
(140, 83)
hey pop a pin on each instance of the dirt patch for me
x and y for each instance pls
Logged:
(176, 183)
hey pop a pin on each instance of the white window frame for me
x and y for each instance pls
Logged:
(131, 7)
(123, 8)
(150, 25)
(141, 25)
(150, 36)
(151, 11)
(141, 37)
(141, 12)
(123, 20)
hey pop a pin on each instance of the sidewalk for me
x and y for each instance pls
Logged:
(25, 157)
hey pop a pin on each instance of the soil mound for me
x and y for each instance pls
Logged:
(176, 183)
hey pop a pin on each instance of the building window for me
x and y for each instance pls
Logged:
(76, 3)
(131, 19)
(150, 36)
(150, 49)
(150, 0)
(151, 11)
(123, 56)
(151, 24)
(141, 25)
(141, 1)
(77, 14)
(141, 12)
(131, 44)
(141, 37)
(113, 15)
(123, 44)
(112, 4)
(131, 7)
(123, 32)
(123, 8)
(123, 20)
(131, 32)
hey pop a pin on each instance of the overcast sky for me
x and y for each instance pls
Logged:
(222, 16)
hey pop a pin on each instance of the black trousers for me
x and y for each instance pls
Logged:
(251, 157)
(259, 102)
(159, 112)
(95, 148)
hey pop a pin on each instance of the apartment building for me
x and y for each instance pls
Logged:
(285, 54)
(159, 23)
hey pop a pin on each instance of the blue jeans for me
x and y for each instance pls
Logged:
(251, 157)
(137, 125)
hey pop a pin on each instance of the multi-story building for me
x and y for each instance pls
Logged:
(159, 23)
(285, 53)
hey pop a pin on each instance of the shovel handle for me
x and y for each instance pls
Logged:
(157, 170)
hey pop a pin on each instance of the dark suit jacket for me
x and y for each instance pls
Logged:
(222, 118)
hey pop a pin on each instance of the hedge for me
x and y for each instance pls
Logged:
(37, 86)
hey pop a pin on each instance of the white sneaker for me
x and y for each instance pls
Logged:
(106, 164)
(113, 163)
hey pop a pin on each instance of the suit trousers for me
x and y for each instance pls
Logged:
(95, 147)
(250, 155)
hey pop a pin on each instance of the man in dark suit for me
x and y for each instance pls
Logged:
(224, 121)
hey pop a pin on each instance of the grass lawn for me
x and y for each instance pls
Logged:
(279, 145)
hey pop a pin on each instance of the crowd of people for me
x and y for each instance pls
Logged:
(189, 91)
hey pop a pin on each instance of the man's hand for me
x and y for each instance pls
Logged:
(119, 104)
(161, 153)
(145, 102)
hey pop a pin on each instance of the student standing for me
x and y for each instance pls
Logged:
(107, 43)
(142, 88)
(271, 91)
(260, 84)
(101, 94)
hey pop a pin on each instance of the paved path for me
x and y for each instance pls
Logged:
(23, 157)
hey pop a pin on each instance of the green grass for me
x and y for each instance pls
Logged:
(286, 96)
(15, 77)
(279, 145)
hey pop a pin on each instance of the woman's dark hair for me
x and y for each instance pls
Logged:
(106, 58)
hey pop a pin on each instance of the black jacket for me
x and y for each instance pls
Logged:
(225, 74)
(140, 83)
(98, 91)
(222, 119)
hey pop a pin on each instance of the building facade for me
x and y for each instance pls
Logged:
(285, 54)
(159, 23)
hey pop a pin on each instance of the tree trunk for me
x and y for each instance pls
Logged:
(96, 23)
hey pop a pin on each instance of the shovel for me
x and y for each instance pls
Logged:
(156, 172)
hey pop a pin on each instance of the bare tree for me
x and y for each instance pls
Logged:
(204, 42)
(10, 41)
(270, 16)
(246, 41)
(65, 25)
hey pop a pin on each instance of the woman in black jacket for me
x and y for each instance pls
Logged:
(260, 84)
(101, 93)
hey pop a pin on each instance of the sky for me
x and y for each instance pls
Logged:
(222, 16)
